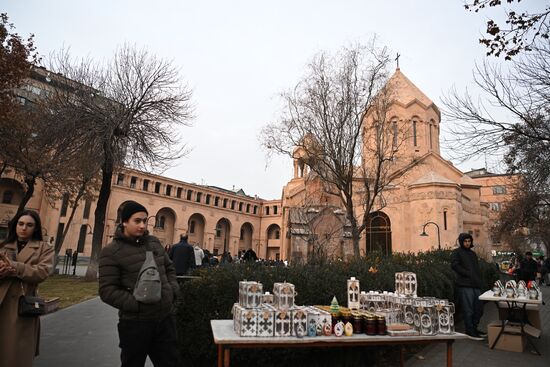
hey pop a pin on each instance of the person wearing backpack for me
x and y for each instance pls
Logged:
(137, 277)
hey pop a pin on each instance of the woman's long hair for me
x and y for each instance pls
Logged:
(12, 233)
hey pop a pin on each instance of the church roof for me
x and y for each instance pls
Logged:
(405, 91)
(432, 178)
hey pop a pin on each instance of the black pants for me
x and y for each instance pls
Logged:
(154, 338)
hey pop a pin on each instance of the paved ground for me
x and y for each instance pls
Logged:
(477, 353)
(85, 335)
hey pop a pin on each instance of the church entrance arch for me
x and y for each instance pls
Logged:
(221, 237)
(379, 233)
(195, 230)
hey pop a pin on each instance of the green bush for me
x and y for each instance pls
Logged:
(213, 295)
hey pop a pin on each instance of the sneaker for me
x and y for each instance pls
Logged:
(481, 333)
(474, 336)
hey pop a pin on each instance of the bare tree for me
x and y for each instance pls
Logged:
(127, 109)
(323, 122)
(513, 104)
(521, 32)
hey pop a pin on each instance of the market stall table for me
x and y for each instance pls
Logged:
(517, 304)
(226, 339)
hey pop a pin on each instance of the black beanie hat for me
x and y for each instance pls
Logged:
(130, 208)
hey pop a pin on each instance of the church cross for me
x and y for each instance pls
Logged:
(397, 59)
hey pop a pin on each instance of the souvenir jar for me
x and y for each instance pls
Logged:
(245, 321)
(284, 294)
(339, 328)
(283, 323)
(363, 300)
(380, 325)
(522, 289)
(370, 325)
(266, 321)
(399, 283)
(410, 284)
(325, 319)
(267, 298)
(299, 319)
(250, 294)
(429, 323)
(357, 322)
(312, 321)
(353, 292)
(408, 311)
(445, 316)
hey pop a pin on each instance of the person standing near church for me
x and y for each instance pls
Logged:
(25, 261)
(144, 329)
(464, 263)
(183, 256)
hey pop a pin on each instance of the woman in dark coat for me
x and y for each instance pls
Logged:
(25, 261)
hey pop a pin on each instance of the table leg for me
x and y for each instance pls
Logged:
(402, 356)
(226, 357)
(220, 355)
(450, 353)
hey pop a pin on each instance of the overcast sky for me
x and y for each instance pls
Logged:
(237, 56)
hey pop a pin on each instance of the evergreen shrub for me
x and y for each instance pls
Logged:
(213, 295)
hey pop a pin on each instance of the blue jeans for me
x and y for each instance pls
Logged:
(472, 308)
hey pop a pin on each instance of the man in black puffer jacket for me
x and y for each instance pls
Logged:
(468, 285)
(143, 328)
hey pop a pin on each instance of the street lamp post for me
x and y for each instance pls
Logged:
(424, 234)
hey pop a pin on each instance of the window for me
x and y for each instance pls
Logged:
(146, 185)
(499, 190)
(274, 209)
(82, 238)
(216, 201)
(189, 194)
(277, 234)
(120, 179)
(198, 198)
(178, 192)
(495, 207)
(64, 205)
(266, 210)
(248, 208)
(168, 190)
(218, 230)
(232, 204)
(192, 227)
(207, 201)
(60, 229)
(225, 203)
(240, 207)
(255, 209)
(414, 134)
(242, 234)
(160, 222)
(445, 220)
(394, 128)
(7, 197)
(157, 187)
(133, 182)
(87, 206)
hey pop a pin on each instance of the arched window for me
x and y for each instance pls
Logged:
(414, 133)
(7, 197)
(379, 233)
(161, 221)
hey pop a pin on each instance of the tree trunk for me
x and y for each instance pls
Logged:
(99, 220)
(30, 181)
(59, 243)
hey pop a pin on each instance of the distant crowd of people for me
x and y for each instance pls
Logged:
(187, 257)
(527, 268)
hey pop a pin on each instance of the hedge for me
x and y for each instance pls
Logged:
(214, 293)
